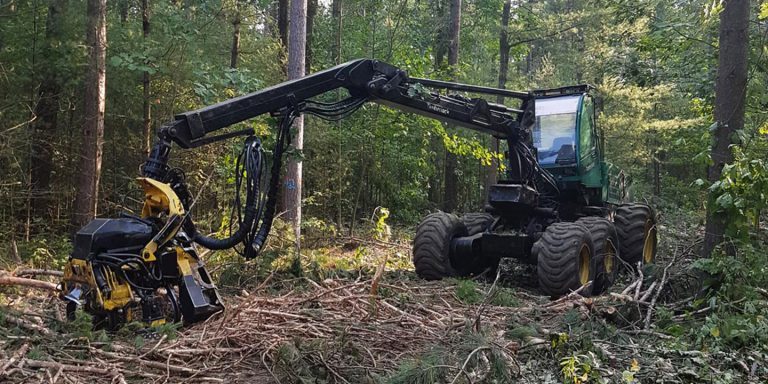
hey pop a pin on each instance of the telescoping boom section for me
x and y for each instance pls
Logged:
(365, 81)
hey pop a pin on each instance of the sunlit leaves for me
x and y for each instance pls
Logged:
(742, 191)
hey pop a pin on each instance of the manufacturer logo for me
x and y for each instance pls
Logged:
(438, 109)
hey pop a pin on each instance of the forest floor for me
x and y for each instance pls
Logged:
(380, 324)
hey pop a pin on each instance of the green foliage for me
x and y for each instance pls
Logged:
(738, 318)
(504, 297)
(428, 368)
(442, 363)
(741, 194)
(45, 252)
(467, 292)
(521, 332)
(579, 369)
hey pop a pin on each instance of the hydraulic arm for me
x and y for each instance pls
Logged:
(365, 80)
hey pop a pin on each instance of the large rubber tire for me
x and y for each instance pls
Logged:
(606, 242)
(432, 246)
(476, 222)
(564, 254)
(636, 227)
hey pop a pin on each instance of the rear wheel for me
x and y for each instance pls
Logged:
(564, 254)
(432, 246)
(636, 228)
(606, 243)
(476, 222)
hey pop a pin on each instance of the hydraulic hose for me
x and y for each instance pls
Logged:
(251, 158)
(269, 209)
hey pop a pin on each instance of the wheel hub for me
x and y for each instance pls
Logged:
(649, 244)
(584, 264)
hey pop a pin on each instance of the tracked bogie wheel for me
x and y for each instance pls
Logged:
(606, 242)
(564, 253)
(476, 222)
(432, 246)
(636, 228)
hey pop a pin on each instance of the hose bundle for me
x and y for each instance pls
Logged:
(254, 218)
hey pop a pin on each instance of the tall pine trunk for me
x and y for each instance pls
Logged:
(440, 47)
(145, 83)
(730, 95)
(235, 51)
(336, 16)
(282, 21)
(46, 114)
(297, 44)
(493, 173)
(451, 162)
(93, 105)
(311, 13)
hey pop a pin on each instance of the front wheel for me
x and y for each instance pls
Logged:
(606, 244)
(432, 246)
(564, 254)
(636, 227)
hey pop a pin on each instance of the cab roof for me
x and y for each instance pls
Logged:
(563, 91)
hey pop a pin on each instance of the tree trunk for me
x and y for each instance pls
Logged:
(145, 83)
(93, 106)
(493, 173)
(46, 113)
(451, 162)
(435, 191)
(730, 94)
(336, 13)
(122, 8)
(441, 33)
(454, 33)
(311, 13)
(297, 43)
(235, 41)
(282, 21)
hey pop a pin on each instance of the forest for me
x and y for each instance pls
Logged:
(334, 296)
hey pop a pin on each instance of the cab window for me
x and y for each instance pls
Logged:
(554, 134)
(586, 131)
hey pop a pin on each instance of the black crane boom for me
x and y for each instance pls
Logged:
(365, 80)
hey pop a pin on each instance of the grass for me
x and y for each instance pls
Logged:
(467, 292)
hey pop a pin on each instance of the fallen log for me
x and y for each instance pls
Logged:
(27, 325)
(24, 282)
(37, 272)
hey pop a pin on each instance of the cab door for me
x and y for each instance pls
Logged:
(589, 166)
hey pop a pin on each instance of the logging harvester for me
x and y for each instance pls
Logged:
(559, 206)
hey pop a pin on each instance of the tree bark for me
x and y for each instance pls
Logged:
(730, 94)
(122, 9)
(93, 106)
(297, 44)
(46, 114)
(235, 52)
(145, 83)
(24, 282)
(493, 173)
(282, 21)
(441, 33)
(451, 162)
(311, 13)
(337, 14)
(454, 33)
